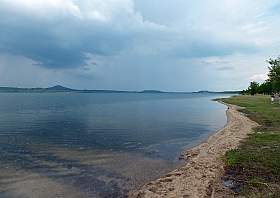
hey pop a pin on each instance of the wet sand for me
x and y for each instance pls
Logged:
(200, 176)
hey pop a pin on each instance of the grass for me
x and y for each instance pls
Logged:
(255, 165)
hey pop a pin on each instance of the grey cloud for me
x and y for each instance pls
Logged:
(39, 41)
(225, 68)
(200, 48)
(63, 42)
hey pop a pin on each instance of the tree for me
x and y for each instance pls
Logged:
(274, 74)
(253, 88)
(265, 88)
(270, 86)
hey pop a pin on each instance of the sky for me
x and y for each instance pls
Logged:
(170, 45)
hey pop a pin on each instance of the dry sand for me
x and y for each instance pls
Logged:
(198, 178)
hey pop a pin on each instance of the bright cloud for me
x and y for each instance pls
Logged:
(44, 8)
(259, 77)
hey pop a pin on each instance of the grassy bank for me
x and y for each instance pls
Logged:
(255, 165)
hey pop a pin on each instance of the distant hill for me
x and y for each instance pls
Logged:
(56, 88)
(59, 88)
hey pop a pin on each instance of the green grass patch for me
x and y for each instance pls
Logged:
(231, 158)
(259, 108)
(255, 165)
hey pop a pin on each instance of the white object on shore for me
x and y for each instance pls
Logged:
(275, 98)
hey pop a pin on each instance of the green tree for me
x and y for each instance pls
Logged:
(270, 86)
(253, 88)
(265, 88)
(274, 74)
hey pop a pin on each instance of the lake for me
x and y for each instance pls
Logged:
(97, 144)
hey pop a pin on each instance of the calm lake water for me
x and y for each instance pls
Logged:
(97, 145)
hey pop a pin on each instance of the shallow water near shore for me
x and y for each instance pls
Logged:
(97, 145)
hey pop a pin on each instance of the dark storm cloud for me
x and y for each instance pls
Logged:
(58, 44)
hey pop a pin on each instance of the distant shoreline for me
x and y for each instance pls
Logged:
(61, 89)
(198, 177)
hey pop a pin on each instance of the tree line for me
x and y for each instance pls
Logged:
(271, 85)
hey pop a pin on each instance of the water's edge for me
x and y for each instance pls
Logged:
(186, 155)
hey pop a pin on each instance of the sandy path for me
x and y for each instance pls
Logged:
(198, 176)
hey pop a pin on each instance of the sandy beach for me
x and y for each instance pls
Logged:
(200, 177)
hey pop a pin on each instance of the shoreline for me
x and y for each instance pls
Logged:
(204, 165)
